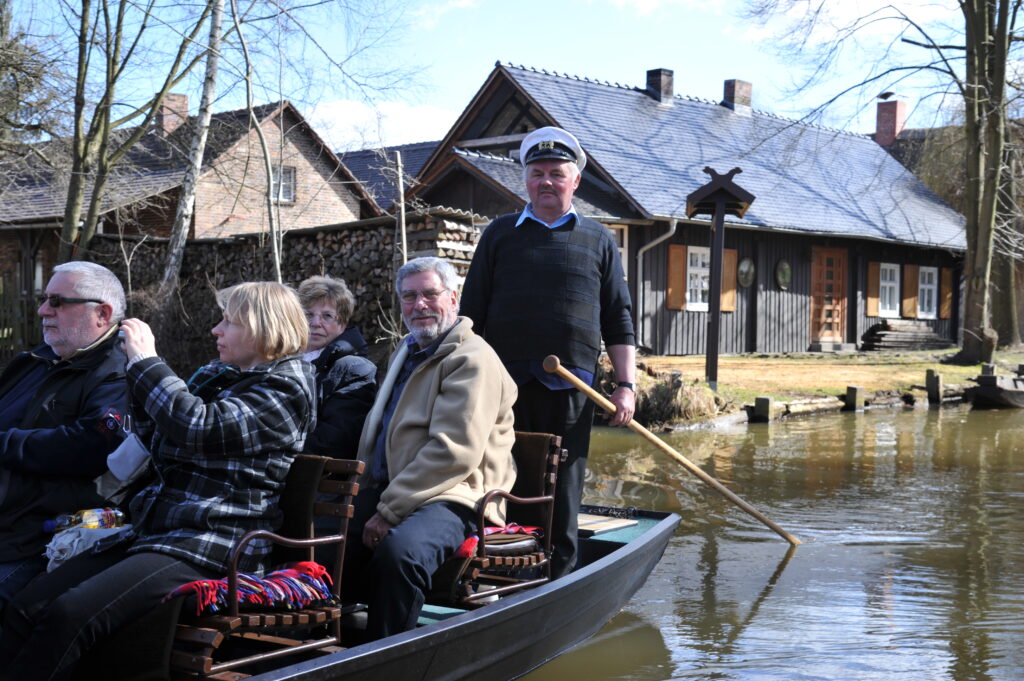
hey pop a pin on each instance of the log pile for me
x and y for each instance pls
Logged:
(365, 254)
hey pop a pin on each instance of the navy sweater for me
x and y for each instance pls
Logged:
(532, 291)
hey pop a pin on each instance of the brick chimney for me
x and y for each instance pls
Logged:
(737, 95)
(659, 85)
(172, 113)
(890, 119)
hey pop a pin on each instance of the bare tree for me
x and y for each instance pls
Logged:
(969, 67)
(187, 198)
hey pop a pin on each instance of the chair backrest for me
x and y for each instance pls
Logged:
(317, 486)
(537, 456)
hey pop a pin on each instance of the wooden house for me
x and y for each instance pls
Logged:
(841, 241)
(311, 187)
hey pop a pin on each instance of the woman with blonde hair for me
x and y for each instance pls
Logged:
(221, 446)
(346, 380)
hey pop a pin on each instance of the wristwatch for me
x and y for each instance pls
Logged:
(625, 384)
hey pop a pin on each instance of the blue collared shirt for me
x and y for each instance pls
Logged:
(416, 357)
(528, 213)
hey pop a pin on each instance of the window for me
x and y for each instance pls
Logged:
(698, 277)
(888, 290)
(284, 184)
(621, 236)
(927, 292)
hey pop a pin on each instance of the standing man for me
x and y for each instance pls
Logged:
(61, 406)
(438, 438)
(549, 282)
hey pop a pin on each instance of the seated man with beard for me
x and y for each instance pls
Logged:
(439, 436)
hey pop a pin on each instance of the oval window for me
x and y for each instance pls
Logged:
(783, 274)
(745, 272)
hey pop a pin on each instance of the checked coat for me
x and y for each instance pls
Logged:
(222, 446)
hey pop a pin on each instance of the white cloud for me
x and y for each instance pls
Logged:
(348, 125)
(429, 16)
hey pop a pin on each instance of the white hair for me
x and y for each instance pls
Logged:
(96, 281)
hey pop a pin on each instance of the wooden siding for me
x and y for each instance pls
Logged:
(766, 318)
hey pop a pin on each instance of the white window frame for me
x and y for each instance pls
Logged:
(927, 292)
(620, 234)
(283, 189)
(890, 287)
(700, 273)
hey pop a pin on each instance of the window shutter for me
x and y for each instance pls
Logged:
(945, 293)
(911, 280)
(874, 285)
(729, 280)
(676, 298)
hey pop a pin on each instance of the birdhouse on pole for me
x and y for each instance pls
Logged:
(718, 198)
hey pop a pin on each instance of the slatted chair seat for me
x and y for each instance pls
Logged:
(214, 646)
(506, 562)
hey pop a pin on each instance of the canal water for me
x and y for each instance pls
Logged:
(912, 567)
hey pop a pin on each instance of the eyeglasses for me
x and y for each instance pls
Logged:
(325, 317)
(431, 295)
(56, 300)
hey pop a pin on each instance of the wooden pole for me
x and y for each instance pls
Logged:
(553, 366)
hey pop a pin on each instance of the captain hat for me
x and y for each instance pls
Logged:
(551, 142)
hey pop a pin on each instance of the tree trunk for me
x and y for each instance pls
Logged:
(186, 200)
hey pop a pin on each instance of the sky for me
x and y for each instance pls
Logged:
(455, 44)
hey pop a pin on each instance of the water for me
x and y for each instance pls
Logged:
(912, 567)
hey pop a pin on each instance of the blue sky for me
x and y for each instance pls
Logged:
(456, 43)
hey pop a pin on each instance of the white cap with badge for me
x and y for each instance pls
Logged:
(554, 143)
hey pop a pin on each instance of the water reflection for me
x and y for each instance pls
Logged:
(911, 568)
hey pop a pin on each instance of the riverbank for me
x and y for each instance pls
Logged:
(672, 392)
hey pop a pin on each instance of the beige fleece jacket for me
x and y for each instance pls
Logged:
(451, 436)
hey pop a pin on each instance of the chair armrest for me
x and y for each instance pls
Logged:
(496, 494)
(236, 554)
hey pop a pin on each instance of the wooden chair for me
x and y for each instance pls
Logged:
(504, 563)
(209, 647)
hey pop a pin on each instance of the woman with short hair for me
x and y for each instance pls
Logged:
(346, 380)
(221, 446)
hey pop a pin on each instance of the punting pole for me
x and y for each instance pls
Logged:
(553, 366)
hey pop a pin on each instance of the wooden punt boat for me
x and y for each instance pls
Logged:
(519, 632)
(996, 392)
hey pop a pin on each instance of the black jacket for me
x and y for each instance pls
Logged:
(346, 386)
(48, 464)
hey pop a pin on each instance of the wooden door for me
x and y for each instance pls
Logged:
(828, 295)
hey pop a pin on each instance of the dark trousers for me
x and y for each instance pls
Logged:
(15, 575)
(394, 579)
(570, 414)
(52, 622)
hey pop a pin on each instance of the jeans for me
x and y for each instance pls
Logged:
(14, 576)
(394, 579)
(50, 624)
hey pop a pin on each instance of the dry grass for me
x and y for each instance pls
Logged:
(741, 378)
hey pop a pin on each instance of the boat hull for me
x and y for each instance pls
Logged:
(511, 637)
(996, 392)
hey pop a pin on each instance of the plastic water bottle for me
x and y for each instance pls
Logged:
(91, 518)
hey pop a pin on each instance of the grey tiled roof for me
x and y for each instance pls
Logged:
(806, 178)
(589, 199)
(370, 165)
(155, 164)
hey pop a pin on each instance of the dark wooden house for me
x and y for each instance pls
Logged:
(841, 240)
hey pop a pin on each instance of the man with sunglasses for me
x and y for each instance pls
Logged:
(61, 407)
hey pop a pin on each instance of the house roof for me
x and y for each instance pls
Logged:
(154, 165)
(371, 167)
(805, 178)
(506, 173)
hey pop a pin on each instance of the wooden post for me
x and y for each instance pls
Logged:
(988, 369)
(854, 398)
(933, 383)
(764, 410)
(715, 294)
